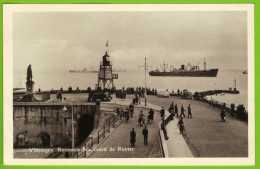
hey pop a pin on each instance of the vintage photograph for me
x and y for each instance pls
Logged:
(130, 81)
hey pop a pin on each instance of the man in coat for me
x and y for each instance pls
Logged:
(150, 115)
(189, 112)
(176, 110)
(182, 111)
(222, 114)
(162, 113)
(145, 133)
(163, 128)
(132, 137)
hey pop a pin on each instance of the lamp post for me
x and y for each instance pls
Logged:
(145, 69)
(72, 123)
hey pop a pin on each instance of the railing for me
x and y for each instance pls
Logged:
(58, 103)
(97, 136)
(227, 108)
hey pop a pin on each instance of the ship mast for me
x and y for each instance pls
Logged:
(164, 66)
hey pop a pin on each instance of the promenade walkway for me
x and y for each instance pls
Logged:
(120, 138)
(207, 135)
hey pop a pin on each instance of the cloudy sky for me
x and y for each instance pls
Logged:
(65, 40)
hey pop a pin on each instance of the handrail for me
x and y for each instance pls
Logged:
(99, 134)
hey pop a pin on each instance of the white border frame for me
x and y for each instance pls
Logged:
(9, 9)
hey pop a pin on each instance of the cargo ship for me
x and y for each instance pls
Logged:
(185, 70)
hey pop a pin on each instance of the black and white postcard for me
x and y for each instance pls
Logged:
(129, 84)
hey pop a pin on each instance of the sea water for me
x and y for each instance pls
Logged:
(55, 79)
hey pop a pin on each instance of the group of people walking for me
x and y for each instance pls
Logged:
(173, 110)
(142, 122)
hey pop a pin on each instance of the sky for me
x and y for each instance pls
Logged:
(73, 40)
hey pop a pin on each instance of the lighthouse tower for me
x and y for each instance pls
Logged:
(105, 76)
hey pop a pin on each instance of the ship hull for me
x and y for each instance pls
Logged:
(202, 73)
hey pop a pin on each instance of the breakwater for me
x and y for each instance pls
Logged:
(214, 92)
(239, 111)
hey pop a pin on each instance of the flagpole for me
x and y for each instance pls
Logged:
(107, 47)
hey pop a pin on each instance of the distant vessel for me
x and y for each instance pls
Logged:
(245, 72)
(185, 70)
(119, 70)
(83, 71)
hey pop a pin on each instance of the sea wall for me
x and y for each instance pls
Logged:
(49, 125)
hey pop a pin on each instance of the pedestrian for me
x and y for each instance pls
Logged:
(126, 114)
(182, 111)
(172, 105)
(118, 112)
(121, 113)
(131, 109)
(181, 124)
(171, 111)
(232, 109)
(132, 137)
(150, 115)
(136, 98)
(189, 112)
(222, 115)
(124, 96)
(145, 133)
(162, 113)
(140, 119)
(171, 114)
(163, 128)
(60, 96)
(176, 110)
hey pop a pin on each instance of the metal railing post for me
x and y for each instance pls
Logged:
(98, 137)
(109, 125)
(86, 149)
(104, 128)
(114, 121)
